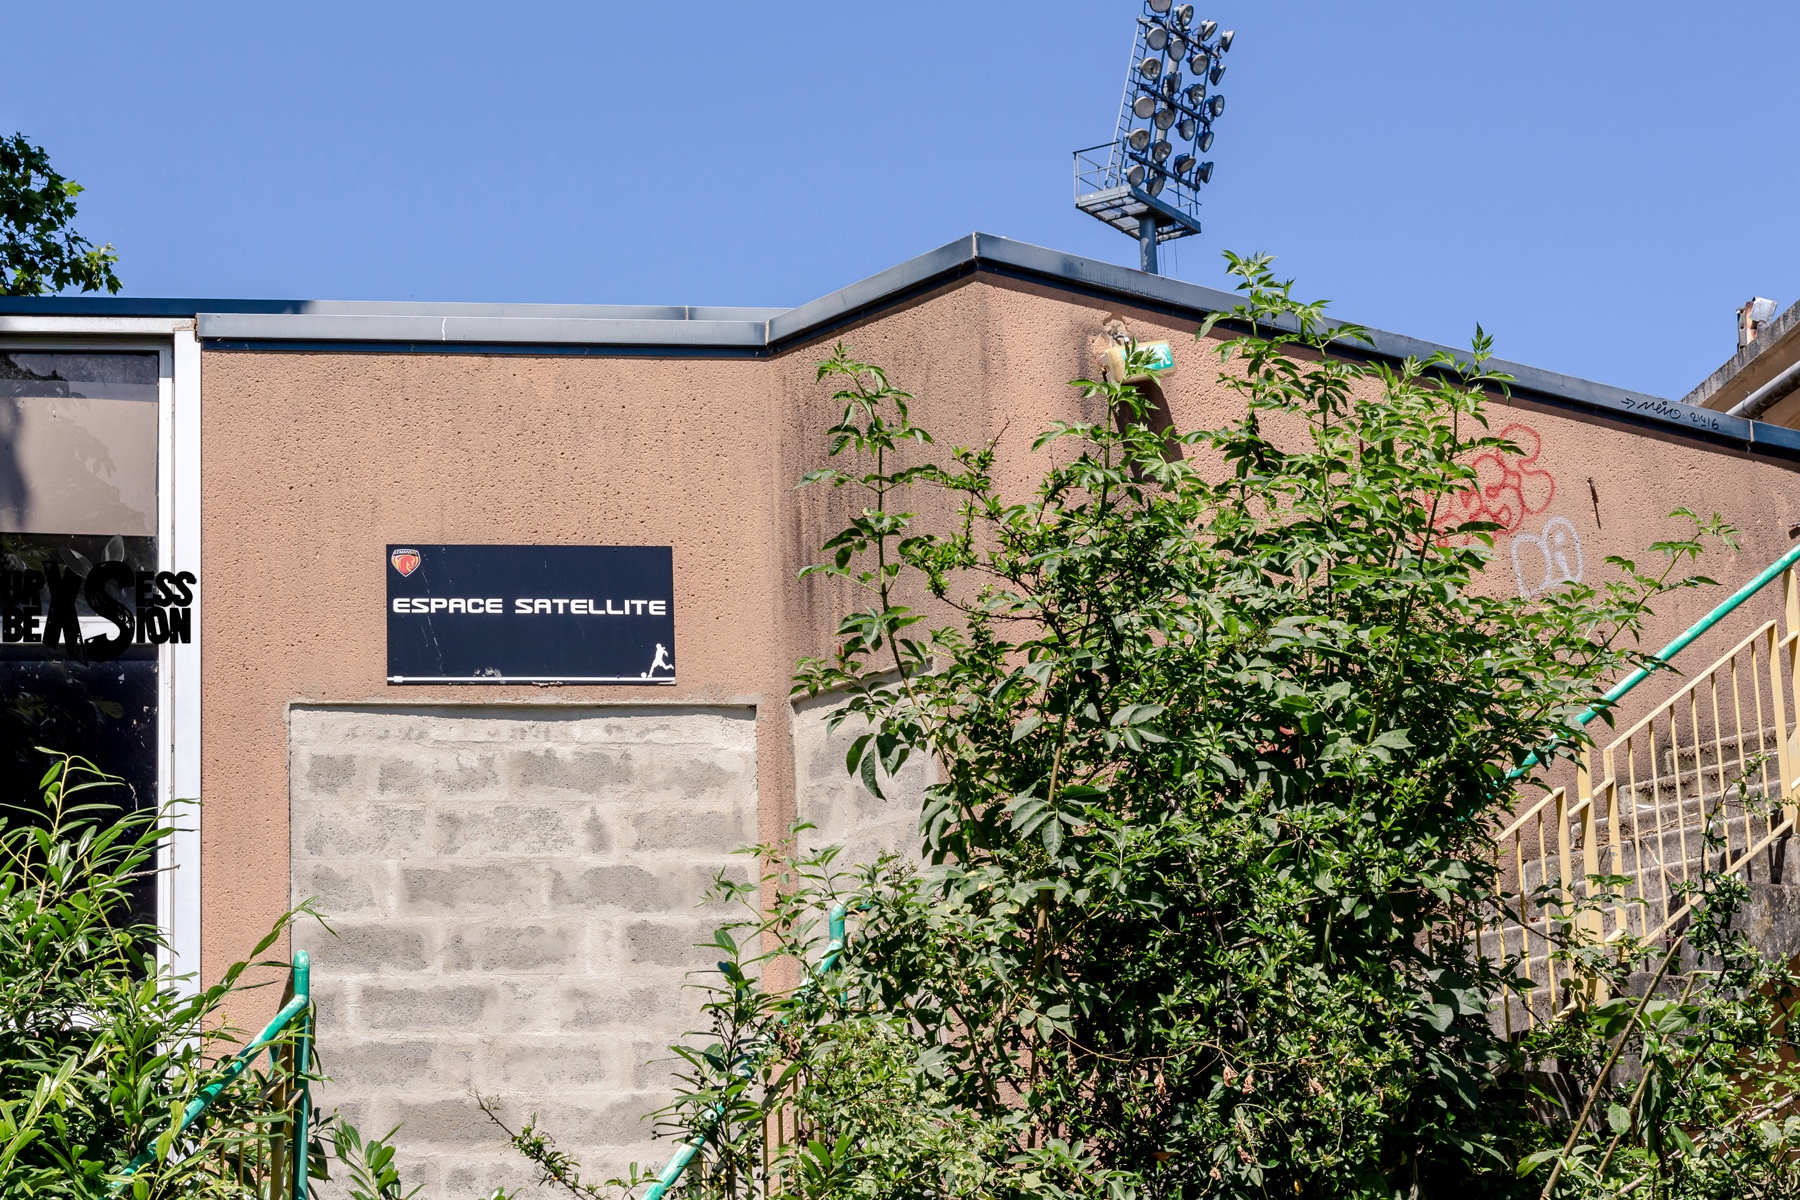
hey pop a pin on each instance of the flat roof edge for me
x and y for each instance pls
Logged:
(1530, 382)
(423, 328)
(453, 330)
(190, 307)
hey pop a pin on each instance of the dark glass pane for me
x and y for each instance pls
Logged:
(77, 487)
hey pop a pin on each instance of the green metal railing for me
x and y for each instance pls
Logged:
(744, 1068)
(1705, 780)
(288, 1040)
(1615, 693)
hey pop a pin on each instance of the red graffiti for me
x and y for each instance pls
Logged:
(1508, 487)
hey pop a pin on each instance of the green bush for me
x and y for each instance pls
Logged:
(1221, 722)
(100, 1051)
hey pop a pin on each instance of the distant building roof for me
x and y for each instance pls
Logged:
(1761, 379)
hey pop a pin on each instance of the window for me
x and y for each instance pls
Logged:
(90, 477)
(78, 437)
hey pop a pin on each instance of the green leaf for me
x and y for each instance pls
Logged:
(1394, 739)
(853, 757)
(868, 776)
(1531, 1162)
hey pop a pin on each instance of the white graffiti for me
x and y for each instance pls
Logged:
(1557, 559)
(659, 663)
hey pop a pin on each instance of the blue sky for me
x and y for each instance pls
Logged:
(1598, 183)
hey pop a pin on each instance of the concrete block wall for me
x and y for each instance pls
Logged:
(845, 812)
(516, 898)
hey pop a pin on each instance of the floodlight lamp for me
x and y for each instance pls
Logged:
(1225, 40)
(1164, 130)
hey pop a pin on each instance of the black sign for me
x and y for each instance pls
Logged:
(530, 614)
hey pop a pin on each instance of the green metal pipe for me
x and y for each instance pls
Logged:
(676, 1166)
(834, 948)
(302, 1068)
(1613, 694)
(1767, 576)
(301, 1002)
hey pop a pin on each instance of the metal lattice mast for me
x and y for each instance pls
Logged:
(1148, 182)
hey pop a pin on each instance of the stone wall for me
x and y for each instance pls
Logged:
(515, 894)
(843, 811)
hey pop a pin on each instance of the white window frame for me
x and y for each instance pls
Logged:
(178, 894)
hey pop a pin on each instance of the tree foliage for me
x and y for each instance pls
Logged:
(1219, 735)
(39, 249)
(1221, 723)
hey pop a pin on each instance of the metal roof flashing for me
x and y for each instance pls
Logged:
(404, 326)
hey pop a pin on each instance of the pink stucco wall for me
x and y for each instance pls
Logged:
(313, 462)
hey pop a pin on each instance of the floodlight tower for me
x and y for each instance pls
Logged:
(1146, 182)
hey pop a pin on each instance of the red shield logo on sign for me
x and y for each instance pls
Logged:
(405, 561)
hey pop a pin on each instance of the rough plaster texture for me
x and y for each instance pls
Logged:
(313, 462)
(516, 899)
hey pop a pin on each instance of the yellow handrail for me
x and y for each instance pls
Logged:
(1690, 777)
